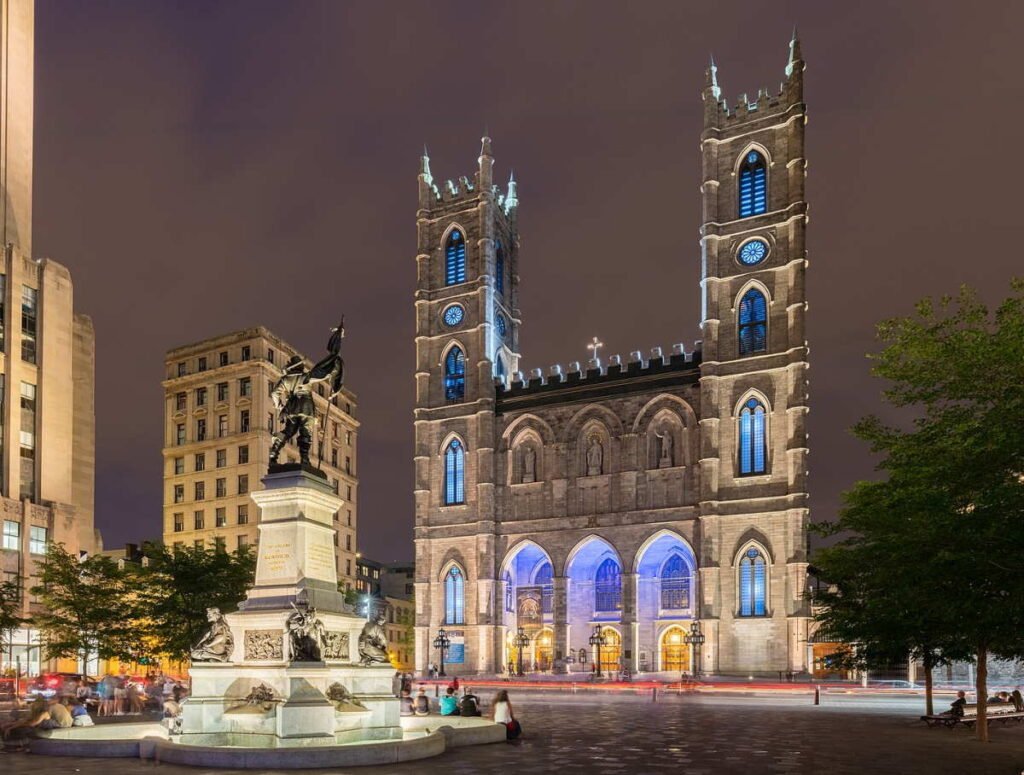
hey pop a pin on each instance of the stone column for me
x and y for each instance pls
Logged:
(629, 622)
(560, 611)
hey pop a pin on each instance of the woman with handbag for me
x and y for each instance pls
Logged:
(503, 715)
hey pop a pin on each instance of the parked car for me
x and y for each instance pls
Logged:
(894, 685)
(59, 684)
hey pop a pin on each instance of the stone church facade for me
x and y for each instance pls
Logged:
(630, 497)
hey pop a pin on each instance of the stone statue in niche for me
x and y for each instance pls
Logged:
(665, 443)
(529, 465)
(595, 457)
(373, 642)
(218, 642)
(306, 634)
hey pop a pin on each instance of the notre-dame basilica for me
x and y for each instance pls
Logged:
(632, 497)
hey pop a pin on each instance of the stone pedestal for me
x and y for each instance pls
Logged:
(295, 565)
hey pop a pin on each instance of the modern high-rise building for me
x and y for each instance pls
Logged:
(218, 425)
(47, 364)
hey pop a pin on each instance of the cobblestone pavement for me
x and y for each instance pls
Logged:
(600, 735)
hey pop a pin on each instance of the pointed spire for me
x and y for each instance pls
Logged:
(711, 79)
(511, 200)
(795, 54)
(485, 144)
(425, 165)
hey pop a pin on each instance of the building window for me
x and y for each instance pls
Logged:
(348, 438)
(222, 426)
(181, 402)
(179, 493)
(348, 542)
(753, 439)
(544, 579)
(348, 517)
(12, 535)
(334, 458)
(200, 461)
(246, 353)
(243, 541)
(37, 540)
(753, 323)
(201, 430)
(199, 520)
(243, 514)
(675, 584)
(454, 597)
(198, 544)
(455, 259)
(201, 396)
(348, 465)
(222, 391)
(245, 387)
(348, 567)
(200, 491)
(243, 454)
(243, 421)
(28, 441)
(221, 488)
(270, 355)
(179, 434)
(181, 369)
(243, 484)
(454, 375)
(222, 458)
(608, 587)
(753, 185)
(223, 358)
(202, 364)
(454, 473)
(348, 492)
(499, 269)
(179, 522)
(752, 583)
(221, 517)
(29, 310)
(179, 465)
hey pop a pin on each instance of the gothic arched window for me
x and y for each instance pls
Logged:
(455, 259)
(753, 583)
(753, 323)
(608, 587)
(753, 439)
(454, 473)
(499, 269)
(454, 597)
(753, 195)
(454, 375)
(675, 583)
(544, 579)
(499, 364)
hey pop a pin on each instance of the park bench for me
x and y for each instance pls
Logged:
(1004, 713)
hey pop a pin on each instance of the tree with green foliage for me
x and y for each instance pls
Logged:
(10, 611)
(947, 521)
(179, 585)
(87, 607)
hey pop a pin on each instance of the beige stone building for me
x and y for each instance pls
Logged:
(47, 364)
(629, 498)
(401, 617)
(218, 421)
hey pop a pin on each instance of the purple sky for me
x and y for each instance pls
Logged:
(190, 155)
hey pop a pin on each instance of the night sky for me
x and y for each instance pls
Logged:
(206, 166)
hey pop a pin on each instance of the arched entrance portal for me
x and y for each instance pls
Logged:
(675, 652)
(543, 649)
(611, 651)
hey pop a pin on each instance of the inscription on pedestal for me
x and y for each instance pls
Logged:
(264, 644)
(336, 646)
(276, 558)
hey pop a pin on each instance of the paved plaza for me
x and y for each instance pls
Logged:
(607, 735)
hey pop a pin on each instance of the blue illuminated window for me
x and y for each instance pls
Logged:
(454, 597)
(753, 443)
(454, 376)
(608, 587)
(544, 579)
(454, 474)
(499, 365)
(753, 584)
(753, 252)
(453, 315)
(675, 583)
(501, 325)
(499, 270)
(753, 323)
(455, 259)
(509, 591)
(753, 185)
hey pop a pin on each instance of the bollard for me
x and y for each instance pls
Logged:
(437, 688)
(654, 694)
(817, 695)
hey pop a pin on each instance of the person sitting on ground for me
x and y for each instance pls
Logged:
(80, 714)
(59, 717)
(449, 703)
(470, 704)
(422, 702)
(1017, 700)
(406, 705)
(956, 708)
(503, 715)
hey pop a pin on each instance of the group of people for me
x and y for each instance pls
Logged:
(1014, 698)
(452, 704)
(47, 713)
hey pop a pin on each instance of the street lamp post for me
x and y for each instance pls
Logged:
(597, 640)
(522, 641)
(441, 643)
(695, 638)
